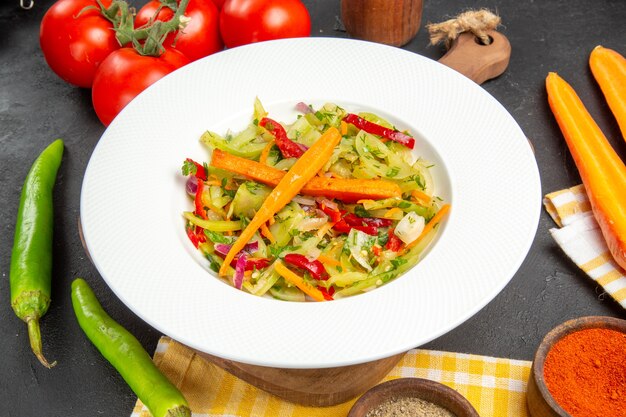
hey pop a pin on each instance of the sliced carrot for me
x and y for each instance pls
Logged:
(392, 212)
(609, 69)
(298, 281)
(421, 197)
(601, 169)
(265, 152)
(324, 229)
(344, 128)
(328, 261)
(340, 188)
(429, 226)
(265, 231)
(289, 186)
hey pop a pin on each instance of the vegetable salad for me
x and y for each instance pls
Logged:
(363, 219)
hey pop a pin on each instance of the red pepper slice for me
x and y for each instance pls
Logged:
(354, 220)
(343, 227)
(379, 130)
(258, 263)
(200, 211)
(196, 235)
(327, 293)
(335, 215)
(288, 148)
(201, 173)
(315, 268)
(393, 242)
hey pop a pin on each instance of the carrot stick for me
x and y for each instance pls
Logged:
(602, 171)
(298, 281)
(421, 197)
(265, 231)
(344, 128)
(430, 225)
(326, 260)
(289, 186)
(266, 151)
(340, 188)
(609, 69)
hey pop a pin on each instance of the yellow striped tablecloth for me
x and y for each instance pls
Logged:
(581, 239)
(496, 387)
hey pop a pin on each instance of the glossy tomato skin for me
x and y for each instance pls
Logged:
(219, 4)
(248, 21)
(74, 45)
(124, 74)
(201, 36)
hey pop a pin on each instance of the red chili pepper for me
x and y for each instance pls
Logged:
(327, 293)
(315, 268)
(288, 148)
(379, 130)
(201, 173)
(200, 211)
(343, 227)
(354, 220)
(393, 242)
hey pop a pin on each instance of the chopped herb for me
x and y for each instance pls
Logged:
(398, 261)
(382, 238)
(360, 211)
(216, 237)
(393, 171)
(252, 186)
(189, 168)
(276, 250)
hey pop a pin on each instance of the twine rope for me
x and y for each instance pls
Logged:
(478, 22)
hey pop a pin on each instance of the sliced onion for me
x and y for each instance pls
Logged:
(306, 201)
(240, 268)
(312, 223)
(328, 203)
(192, 185)
(302, 107)
(314, 253)
(302, 146)
(223, 249)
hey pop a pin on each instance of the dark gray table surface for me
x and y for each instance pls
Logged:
(36, 107)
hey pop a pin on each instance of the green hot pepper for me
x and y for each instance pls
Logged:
(127, 355)
(31, 258)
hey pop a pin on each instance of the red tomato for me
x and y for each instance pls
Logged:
(201, 36)
(124, 74)
(74, 45)
(247, 21)
(219, 4)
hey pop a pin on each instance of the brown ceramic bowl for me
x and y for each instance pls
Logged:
(540, 401)
(424, 389)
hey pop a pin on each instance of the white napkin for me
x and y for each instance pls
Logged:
(581, 239)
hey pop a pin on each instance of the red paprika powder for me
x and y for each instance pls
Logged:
(586, 373)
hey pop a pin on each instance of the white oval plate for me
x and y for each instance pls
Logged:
(133, 196)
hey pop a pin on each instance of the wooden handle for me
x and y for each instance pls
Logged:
(476, 61)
